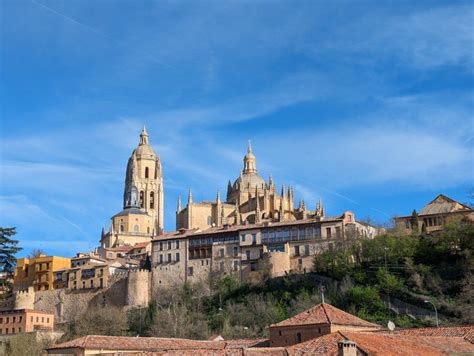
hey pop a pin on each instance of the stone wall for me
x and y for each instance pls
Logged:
(138, 288)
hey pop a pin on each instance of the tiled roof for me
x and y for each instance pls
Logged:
(234, 228)
(152, 344)
(466, 332)
(141, 244)
(325, 314)
(443, 204)
(383, 344)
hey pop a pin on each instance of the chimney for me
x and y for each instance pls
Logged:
(346, 348)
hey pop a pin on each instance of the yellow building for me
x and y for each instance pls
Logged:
(38, 272)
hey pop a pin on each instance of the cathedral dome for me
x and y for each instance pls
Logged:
(249, 178)
(250, 181)
(144, 150)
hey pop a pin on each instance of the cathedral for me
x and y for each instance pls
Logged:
(249, 200)
(143, 199)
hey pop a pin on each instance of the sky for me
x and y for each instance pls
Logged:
(367, 105)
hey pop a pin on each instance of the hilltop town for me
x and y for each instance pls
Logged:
(252, 236)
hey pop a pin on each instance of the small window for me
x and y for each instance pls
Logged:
(169, 245)
(122, 228)
(297, 250)
(328, 232)
(136, 228)
(142, 199)
(243, 238)
(236, 251)
(177, 256)
(306, 250)
(298, 338)
(221, 252)
(247, 254)
(161, 258)
(161, 246)
(152, 200)
(169, 257)
(147, 171)
(254, 238)
(190, 271)
(236, 265)
(177, 244)
(279, 332)
(14, 319)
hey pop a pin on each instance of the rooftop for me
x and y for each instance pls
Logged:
(325, 314)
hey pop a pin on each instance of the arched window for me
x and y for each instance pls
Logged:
(142, 199)
(146, 172)
(152, 200)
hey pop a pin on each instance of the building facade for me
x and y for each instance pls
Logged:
(435, 215)
(249, 200)
(38, 272)
(142, 216)
(24, 320)
(246, 251)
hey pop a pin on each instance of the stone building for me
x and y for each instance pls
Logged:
(38, 271)
(250, 199)
(320, 320)
(143, 200)
(245, 251)
(435, 215)
(24, 320)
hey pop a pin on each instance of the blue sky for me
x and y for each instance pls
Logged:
(365, 104)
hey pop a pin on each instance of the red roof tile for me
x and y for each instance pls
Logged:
(466, 332)
(325, 314)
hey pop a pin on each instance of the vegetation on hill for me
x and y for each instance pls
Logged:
(358, 276)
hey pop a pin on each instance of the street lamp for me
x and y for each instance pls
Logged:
(436, 312)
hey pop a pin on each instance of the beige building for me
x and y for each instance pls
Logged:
(250, 200)
(24, 320)
(246, 251)
(436, 214)
(143, 201)
(320, 320)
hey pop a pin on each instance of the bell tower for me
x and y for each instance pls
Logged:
(145, 176)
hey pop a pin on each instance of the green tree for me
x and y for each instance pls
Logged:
(8, 248)
(415, 222)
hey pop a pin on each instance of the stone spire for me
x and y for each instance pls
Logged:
(250, 162)
(144, 136)
(229, 190)
(319, 209)
(179, 208)
(218, 197)
(271, 184)
(190, 197)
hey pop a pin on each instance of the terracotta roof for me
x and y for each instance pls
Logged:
(152, 344)
(141, 244)
(236, 228)
(466, 332)
(383, 344)
(443, 204)
(325, 314)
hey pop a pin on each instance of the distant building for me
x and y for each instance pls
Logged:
(250, 200)
(436, 214)
(24, 320)
(38, 272)
(143, 201)
(272, 248)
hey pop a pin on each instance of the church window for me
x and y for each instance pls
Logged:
(152, 200)
(146, 172)
(136, 228)
(142, 199)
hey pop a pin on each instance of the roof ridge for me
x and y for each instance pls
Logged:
(325, 312)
